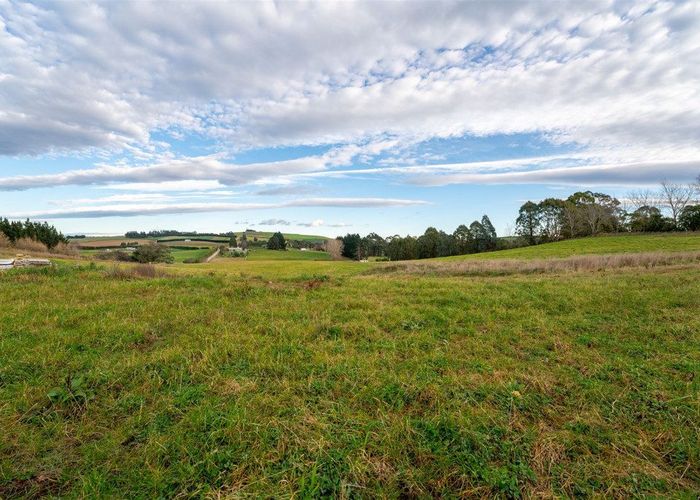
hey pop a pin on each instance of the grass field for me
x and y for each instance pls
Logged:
(180, 255)
(301, 378)
(290, 254)
(607, 244)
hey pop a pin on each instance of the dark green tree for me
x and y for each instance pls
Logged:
(649, 219)
(529, 222)
(491, 238)
(689, 219)
(373, 245)
(276, 242)
(399, 248)
(153, 252)
(463, 240)
(352, 246)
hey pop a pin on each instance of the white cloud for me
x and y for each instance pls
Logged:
(106, 71)
(274, 222)
(203, 172)
(322, 223)
(90, 210)
(619, 79)
(185, 185)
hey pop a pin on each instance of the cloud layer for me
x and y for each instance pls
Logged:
(105, 75)
(618, 83)
(107, 208)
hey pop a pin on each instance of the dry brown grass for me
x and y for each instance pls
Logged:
(134, 272)
(498, 267)
(67, 249)
(30, 245)
(39, 249)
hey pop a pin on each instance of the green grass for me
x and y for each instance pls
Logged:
(272, 378)
(180, 255)
(626, 243)
(291, 254)
(264, 236)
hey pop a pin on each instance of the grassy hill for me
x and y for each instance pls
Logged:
(607, 244)
(280, 378)
(287, 255)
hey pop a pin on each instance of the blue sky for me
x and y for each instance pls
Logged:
(330, 117)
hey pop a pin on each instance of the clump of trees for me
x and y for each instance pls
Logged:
(162, 233)
(584, 213)
(479, 236)
(673, 207)
(36, 231)
(277, 242)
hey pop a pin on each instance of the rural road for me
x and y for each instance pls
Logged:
(213, 256)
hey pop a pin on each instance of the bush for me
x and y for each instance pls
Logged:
(689, 219)
(30, 245)
(153, 252)
(277, 242)
(119, 255)
(66, 249)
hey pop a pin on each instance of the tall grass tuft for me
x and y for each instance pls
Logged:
(134, 272)
(68, 249)
(30, 245)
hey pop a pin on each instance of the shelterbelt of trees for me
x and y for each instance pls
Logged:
(36, 231)
(673, 207)
(163, 233)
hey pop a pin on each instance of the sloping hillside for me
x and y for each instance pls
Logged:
(598, 245)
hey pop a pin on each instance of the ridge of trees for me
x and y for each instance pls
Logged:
(583, 213)
(587, 213)
(37, 231)
(162, 233)
(479, 236)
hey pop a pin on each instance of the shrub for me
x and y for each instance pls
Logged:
(30, 245)
(277, 242)
(4, 241)
(66, 249)
(153, 252)
(119, 255)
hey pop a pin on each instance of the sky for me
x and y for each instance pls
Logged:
(335, 117)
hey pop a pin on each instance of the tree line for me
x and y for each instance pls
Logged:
(479, 236)
(37, 231)
(673, 207)
(163, 233)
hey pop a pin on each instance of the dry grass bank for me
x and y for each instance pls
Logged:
(37, 248)
(498, 267)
